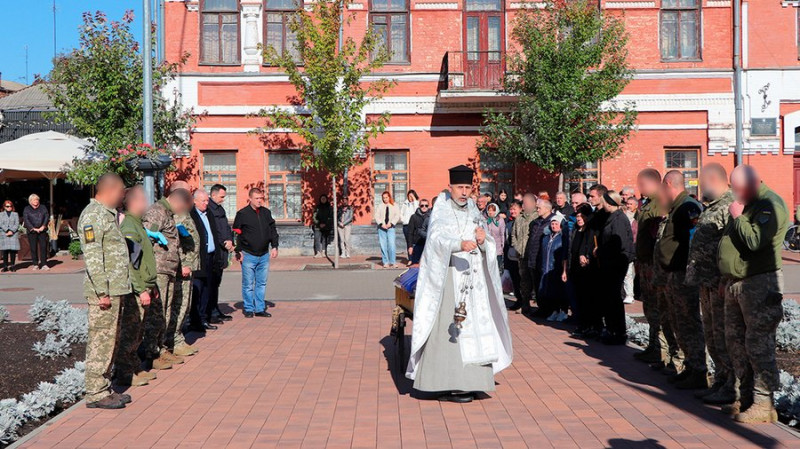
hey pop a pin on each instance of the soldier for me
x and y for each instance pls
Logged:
(127, 366)
(107, 281)
(750, 259)
(160, 217)
(519, 242)
(703, 272)
(672, 253)
(189, 247)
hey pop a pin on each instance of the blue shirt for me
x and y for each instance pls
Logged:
(209, 235)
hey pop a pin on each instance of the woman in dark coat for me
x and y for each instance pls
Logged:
(322, 225)
(553, 258)
(614, 252)
(583, 274)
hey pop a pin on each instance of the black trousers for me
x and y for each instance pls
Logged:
(613, 309)
(12, 254)
(213, 292)
(513, 270)
(200, 293)
(584, 284)
(38, 242)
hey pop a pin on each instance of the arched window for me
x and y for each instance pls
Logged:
(219, 32)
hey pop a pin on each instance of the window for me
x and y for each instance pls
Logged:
(391, 174)
(278, 35)
(680, 30)
(496, 175)
(685, 160)
(284, 185)
(219, 40)
(583, 178)
(220, 168)
(389, 19)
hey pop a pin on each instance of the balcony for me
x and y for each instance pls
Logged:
(469, 75)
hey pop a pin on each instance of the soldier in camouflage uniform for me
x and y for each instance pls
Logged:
(672, 357)
(107, 281)
(127, 366)
(750, 259)
(672, 253)
(189, 248)
(160, 218)
(703, 272)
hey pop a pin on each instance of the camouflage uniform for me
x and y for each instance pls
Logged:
(143, 278)
(159, 217)
(106, 256)
(750, 258)
(703, 271)
(189, 251)
(648, 218)
(666, 338)
(519, 240)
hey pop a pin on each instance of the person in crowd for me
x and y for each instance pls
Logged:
(209, 265)
(456, 354)
(576, 199)
(629, 207)
(496, 227)
(35, 218)
(142, 266)
(482, 202)
(504, 203)
(583, 274)
(184, 297)
(160, 218)
(672, 253)
(562, 205)
(614, 254)
(256, 245)
(510, 254)
(519, 241)
(344, 224)
(519, 197)
(648, 218)
(553, 259)
(626, 193)
(106, 282)
(703, 271)
(751, 262)
(536, 231)
(415, 230)
(407, 209)
(9, 240)
(387, 215)
(218, 194)
(322, 225)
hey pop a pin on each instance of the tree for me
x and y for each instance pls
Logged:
(328, 113)
(571, 65)
(97, 87)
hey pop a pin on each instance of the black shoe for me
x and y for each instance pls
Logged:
(248, 314)
(209, 326)
(108, 402)
(124, 398)
(224, 317)
(614, 339)
(458, 398)
(263, 314)
(215, 320)
(197, 328)
(517, 305)
(269, 303)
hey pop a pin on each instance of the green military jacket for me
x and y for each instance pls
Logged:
(672, 249)
(140, 248)
(648, 217)
(752, 243)
(104, 251)
(702, 268)
(159, 218)
(520, 230)
(189, 246)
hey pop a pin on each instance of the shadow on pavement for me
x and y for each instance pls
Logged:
(396, 363)
(620, 443)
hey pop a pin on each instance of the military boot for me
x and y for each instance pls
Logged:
(161, 363)
(149, 375)
(185, 350)
(653, 356)
(724, 395)
(172, 358)
(675, 378)
(715, 387)
(695, 380)
(646, 351)
(132, 380)
(108, 402)
(732, 408)
(762, 411)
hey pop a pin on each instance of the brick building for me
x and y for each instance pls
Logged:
(681, 51)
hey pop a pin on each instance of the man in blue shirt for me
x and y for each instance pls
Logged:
(211, 262)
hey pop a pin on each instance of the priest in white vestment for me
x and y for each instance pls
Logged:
(461, 337)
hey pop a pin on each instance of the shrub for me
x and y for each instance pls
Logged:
(75, 249)
(638, 333)
(70, 323)
(40, 309)
(51, 348)
(791, 310)
(71, 383)
(55, 314)
(787, 399)
(74, 325)
(3, 314)
(787, 336)
(40, 402)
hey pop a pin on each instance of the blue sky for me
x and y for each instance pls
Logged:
(30, 22)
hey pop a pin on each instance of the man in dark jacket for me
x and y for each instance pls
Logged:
(225, 235)
(416, 241)
(211, 262)
(538, 227)
(672, 254)
(256, 245)
(322, 225)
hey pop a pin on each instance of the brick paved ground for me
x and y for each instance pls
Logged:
(316, 375)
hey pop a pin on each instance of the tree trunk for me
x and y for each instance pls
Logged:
(335, 226)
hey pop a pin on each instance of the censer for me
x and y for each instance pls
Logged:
(460, 314)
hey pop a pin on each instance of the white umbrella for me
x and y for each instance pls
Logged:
(40, 155)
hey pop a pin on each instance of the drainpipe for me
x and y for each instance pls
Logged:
(737, 77)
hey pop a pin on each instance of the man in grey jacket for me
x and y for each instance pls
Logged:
(345, 228)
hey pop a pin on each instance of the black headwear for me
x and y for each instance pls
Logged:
(610, 200)
(461, 175)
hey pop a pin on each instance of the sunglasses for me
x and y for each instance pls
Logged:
(7, 206)
(423, 206)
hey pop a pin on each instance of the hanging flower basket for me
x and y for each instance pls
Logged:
(144, 157)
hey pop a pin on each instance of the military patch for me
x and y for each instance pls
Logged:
(88, 234)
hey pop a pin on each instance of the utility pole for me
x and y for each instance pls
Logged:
(147, 121)
(54, 30)
(162, 41)
(26, 64)
(737, 78)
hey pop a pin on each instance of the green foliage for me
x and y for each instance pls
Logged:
(571, 66)
(75, 249)
(97, 87)
(328, 113)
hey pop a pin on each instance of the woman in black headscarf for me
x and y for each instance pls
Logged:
(583, 274)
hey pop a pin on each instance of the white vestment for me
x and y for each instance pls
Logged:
(485, 338)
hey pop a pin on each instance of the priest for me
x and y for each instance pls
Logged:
(460, 336)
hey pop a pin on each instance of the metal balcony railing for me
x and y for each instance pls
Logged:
(472, 71)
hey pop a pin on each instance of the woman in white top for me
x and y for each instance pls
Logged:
(407, 209)
(387, 215)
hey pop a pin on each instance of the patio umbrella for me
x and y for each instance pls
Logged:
(40, 155)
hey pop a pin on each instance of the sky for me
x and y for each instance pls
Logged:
(30, 23)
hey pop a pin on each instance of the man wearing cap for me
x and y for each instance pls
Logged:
(461, 336)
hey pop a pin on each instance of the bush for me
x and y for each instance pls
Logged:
(75, 249)
(791, 310)
(787, 336)
(787, 399)
(72, 384)
(3, 314)
(638, 333)
(51, 348)
(40, 309)
(9, 421)
(70, 323)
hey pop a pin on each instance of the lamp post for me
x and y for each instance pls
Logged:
(147, 63)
